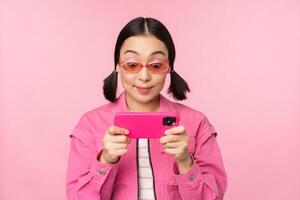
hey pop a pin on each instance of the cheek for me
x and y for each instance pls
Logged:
(127, 79)
(160, 80)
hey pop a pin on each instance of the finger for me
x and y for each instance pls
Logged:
(120, 152)
(172, 151)
(163, 140)
(172, 145)
(115, 130)
(175, 130)
(170, 138)
(120, 139)
(119, 146)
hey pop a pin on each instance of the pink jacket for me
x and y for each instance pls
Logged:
(89, 179)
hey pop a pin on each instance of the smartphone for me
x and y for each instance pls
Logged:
(146, 124)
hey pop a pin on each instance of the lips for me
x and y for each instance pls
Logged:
(143, 90)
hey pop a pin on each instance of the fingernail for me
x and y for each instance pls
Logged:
(166, 132)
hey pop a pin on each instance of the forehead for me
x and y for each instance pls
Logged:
(144, 46)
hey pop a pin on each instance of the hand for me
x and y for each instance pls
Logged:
(115, 143)
(176, 143)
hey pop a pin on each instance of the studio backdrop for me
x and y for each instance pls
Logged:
(240, 58)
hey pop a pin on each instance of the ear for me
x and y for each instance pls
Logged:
(118, 68)
(169, 70)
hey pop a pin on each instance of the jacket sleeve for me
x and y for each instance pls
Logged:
(206, 179)
(87, 178)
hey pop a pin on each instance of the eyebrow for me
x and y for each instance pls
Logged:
(153, 53)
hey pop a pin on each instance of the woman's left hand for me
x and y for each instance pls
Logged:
(176, 143)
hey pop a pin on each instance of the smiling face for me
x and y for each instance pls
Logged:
(142, 87)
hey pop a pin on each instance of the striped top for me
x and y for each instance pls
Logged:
(146, 185)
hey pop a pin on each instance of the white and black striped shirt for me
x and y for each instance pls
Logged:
(146, 186)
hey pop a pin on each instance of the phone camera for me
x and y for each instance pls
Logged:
(169, 121)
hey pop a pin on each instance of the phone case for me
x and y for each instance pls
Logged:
(146, 124)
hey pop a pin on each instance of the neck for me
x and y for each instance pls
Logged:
(136, 106)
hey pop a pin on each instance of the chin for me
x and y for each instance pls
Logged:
(145, 98)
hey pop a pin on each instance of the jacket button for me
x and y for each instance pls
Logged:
(192, 178)
(102, 171)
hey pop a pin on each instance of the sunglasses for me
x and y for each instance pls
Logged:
(155, 67)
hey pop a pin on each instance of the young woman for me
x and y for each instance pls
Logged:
(104, 163)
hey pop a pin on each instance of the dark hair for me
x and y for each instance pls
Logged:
(143, 26)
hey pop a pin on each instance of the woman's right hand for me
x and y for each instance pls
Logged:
(115, 143)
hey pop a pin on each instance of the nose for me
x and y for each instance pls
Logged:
(144, 74)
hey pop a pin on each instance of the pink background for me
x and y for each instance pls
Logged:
(241, 59)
